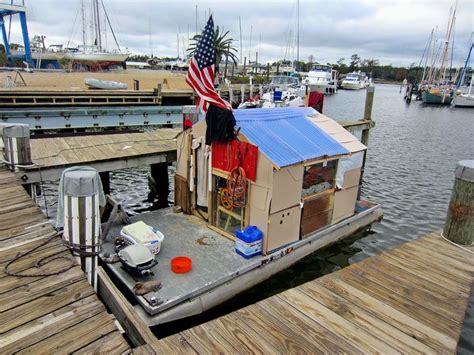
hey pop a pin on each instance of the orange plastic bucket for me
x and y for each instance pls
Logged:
(181, 264)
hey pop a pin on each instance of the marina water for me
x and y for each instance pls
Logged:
(413, 150)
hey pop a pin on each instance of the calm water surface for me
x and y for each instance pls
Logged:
(412, 154)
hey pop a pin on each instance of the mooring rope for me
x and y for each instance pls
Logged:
(41, 262)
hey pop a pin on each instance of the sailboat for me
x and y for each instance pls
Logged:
(94, 56)
(439, 90)
(465, 99)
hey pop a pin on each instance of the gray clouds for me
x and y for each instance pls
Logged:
(395, 32)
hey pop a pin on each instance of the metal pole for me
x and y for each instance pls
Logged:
(5, 41)
(26, 37)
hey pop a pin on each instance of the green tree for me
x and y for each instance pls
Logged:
(223, 47)
(355, 61)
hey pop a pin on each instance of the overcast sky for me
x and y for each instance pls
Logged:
(393, 31)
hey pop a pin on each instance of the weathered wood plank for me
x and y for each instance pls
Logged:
(418, 292)
(50, 324)
(137, 331)
(111, 343)
(423, 333)
(44, 305)
(172, 345)
(332, 321)
(34, 290)
(75, 337)
(320, 338)
(442, 321)
(392, 336)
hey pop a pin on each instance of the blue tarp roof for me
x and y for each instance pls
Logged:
(286, 136)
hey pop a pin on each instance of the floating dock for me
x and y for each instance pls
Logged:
(45, 314)
(410, 299)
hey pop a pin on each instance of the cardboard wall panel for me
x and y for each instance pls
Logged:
(284, 228)
(344, 203)
(351, 178)
(259, 197)
(287, 186)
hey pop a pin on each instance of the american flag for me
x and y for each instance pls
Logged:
(200, 75)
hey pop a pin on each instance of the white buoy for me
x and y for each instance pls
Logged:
(16, 140)
(81, 195)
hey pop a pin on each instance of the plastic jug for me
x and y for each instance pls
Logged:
(248, 242)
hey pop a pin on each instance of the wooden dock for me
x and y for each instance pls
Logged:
(410, 299)
(45, 314)
(106, 152)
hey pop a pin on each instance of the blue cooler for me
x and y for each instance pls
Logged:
(248, 242)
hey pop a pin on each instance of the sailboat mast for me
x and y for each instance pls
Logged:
(427, 50)
(84, 38)
(240, 27)
(196, 19)
(97, 17)
(298, 31)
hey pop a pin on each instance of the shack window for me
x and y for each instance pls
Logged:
(319, 177)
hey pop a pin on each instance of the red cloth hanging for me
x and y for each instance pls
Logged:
(316, 101)
(227, 156)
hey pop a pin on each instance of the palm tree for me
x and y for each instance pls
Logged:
(223, 47)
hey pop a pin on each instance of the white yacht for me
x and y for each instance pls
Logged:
(355, 81)
(322, 78)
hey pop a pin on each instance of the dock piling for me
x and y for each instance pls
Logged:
(459, 226)
(81, 218)
(159, 183)
(16, 139)
(105, 179)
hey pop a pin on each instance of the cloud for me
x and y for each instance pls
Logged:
(392, 31)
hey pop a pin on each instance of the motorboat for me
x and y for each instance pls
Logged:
(286, 83)
(322, 78)
(355, 81)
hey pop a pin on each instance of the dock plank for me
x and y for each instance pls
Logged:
(411, 299)
(37, 313)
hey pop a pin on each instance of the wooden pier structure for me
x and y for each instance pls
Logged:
(45, 314)
(411, 299)
(104, 152)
